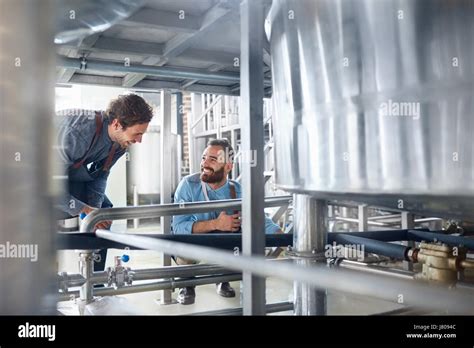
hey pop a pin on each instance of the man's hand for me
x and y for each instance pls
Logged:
(103, 225)
(87, 209)
(227, 223)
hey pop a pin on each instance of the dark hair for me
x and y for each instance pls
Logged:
(129, 110)
(226, 146)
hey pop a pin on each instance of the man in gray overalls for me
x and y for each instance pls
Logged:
(89, 144)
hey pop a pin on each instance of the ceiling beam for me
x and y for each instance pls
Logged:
(132, 79)
(83, 79)
(110, 44)
(63, 75)
(164, 20)
(216, 15)
(182, 42)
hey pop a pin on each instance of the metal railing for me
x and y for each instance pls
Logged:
(156, 210)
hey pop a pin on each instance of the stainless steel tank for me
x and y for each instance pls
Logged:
(144, 165)
(374, 101)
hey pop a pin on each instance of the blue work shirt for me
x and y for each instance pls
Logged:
(75, 130)
(190, 190)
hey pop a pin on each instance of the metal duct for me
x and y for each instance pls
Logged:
(78, 19)
(27, 255)
(374, 102)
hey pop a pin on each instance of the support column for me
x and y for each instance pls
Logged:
(408, 222)
(30, 174)
(251, 93)
(310, 238)
(165, 179)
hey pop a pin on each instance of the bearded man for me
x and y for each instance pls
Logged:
(209, 185)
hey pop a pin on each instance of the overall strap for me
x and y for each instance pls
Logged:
(98, 129)
(110, 157)
(204, 190)
(233, 194)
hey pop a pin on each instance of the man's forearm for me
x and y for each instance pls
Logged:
(204, 226)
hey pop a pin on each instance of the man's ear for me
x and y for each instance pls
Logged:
(229, 166)
(116, 124)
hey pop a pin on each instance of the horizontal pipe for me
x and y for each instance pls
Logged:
(396, 251)
(227, 241)
(436, 296)
(157, 210)
(374, 223)
(430, 219)
(386, 236)
(194, 74)
(382, 217)
(185, 271)
(364, 267)
(180, 272)
(269, 308)
(163, 285)
(420, 236)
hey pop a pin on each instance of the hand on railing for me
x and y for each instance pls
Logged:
(103, 225)
(227, 223)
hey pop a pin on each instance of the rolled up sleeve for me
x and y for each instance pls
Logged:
(183, 224)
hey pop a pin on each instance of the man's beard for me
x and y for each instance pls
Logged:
(215, 176)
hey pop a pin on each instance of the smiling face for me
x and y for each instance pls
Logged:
(214, 167)
(128, 136)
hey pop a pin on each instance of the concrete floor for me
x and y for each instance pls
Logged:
(147, 303)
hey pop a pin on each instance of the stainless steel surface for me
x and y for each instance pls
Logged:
(373, 102)
(26, 107)
(253, 182)
(156, 210)
(378, 286)
(79, 19)
(269, 308)
(310, 237)
(144, 167)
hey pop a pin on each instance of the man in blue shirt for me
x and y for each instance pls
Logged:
(89, 144)
(209, 185)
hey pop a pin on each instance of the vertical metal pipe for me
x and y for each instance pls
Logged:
(310, 238)
(27, 65)
(165, 178)
(251, 92)
(363, 217)
(86, 268)
(344, 212)
(135, 203)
